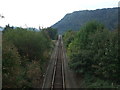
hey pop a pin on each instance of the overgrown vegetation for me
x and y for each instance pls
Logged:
(93, 52)
(68, 37)
(51, 32)
(25, 56)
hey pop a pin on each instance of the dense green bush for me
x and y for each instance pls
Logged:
(52, 33)
(25, 55)
(68, 37)
(10, 65)
(30, 44)
(34, 74)
(94, 51)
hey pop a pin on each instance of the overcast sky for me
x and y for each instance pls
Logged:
(44, 13)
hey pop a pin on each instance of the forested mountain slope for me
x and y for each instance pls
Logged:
(73, 21)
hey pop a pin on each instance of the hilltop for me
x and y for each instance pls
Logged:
(74, 21)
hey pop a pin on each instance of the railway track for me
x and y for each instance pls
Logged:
(58, 80)
(55, 74)
(58, 75)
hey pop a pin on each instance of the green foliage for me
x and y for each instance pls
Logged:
(93, 82)
(105, 52)
(30, 44)
(68, 37)
(94, 51)
(10, 65)
(51, 32)
(33, 74)
(25, 54)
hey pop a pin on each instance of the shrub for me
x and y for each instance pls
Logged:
(10, 65)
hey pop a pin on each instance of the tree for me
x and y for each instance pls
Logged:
(92, 48)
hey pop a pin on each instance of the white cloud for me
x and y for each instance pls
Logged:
(45, 12)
